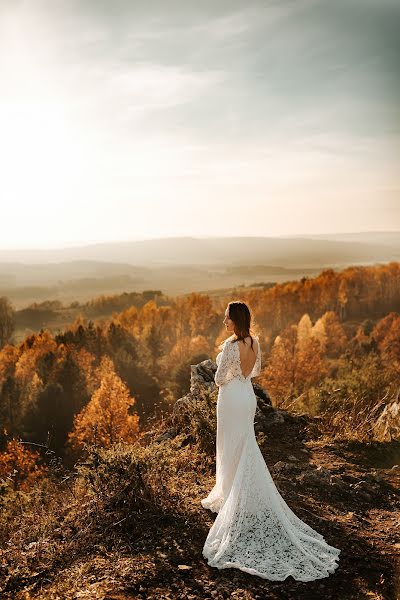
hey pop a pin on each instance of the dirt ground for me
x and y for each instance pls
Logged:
(351, 494)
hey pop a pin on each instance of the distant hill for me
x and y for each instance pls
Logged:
(183, 264)
(291, 251)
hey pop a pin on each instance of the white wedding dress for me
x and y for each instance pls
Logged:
(255, 530)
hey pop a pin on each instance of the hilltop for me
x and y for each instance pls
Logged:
(127, 523)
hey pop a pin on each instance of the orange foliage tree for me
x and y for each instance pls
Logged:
(20, 464)
(335, 336)
(387, 336)
(310, 367)
(105, 419)
(295, 362)
(7, 322)
(390, 346)
(279, 374)
(9, 401)
(354, 293)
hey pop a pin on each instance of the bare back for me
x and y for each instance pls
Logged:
(248, 355)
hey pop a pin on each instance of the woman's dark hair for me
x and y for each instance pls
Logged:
(239, 313)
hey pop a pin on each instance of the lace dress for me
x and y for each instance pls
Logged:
(255, 530)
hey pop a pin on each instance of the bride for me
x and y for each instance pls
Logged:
(255, 530)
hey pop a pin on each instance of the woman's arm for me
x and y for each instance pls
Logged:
(257, 365)
(222, 373)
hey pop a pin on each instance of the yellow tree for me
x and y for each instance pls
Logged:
(7, 321)
(319, 333)
(310, 367)
(294, 364)
(304, 331)
(128, 319)
(148, 317)
(9, 356)
(185, 348)
(202, 314)
(309, 364)
(389, 344)
(106, 419)
(85, 359)
(383, 327)
(33, 350)
(279, 373)
(343, 296)
(335, 335)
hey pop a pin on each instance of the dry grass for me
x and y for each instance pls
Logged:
(108, 498)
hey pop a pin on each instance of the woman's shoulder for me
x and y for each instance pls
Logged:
(251, 341)
(232, 338)
(223, 344)
(249, 337)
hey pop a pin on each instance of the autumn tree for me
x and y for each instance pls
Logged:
(295, 362)
(84, 334)
(7, 322)
(343, 297)
(9, 391)
(390, 345)
(198, 349)
(133, 365)
(361, 344)
(185, 348)
(279, 373)
(106, 418)
(128, 319)
(202, 315)
(387, 336)
(335, 334)
(310, 367)
(20, 465)
(383, 327)
(87, 364)
(32, 350)
(50, 416)
(19, 379)
(304, 331)
(319, 333)
(154, 341)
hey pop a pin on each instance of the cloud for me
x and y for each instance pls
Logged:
(153, 87)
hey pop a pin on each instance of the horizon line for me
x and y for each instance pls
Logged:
(68, 245)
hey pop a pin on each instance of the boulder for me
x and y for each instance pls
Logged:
(267, 418)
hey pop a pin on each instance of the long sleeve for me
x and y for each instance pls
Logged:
(223, 374)
(257, 365)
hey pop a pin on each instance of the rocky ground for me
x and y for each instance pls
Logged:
(336, 489)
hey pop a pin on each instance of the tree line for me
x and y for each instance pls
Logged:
(106, 379)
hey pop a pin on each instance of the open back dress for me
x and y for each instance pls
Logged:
(255, 530)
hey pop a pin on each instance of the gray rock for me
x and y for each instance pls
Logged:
(338, 483)
(315, 476)
(181, 404)
(202, 380)
(282, 467)
(167, 435)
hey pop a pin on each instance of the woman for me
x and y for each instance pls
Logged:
(255, 530)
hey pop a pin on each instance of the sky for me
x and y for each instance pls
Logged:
(130, 120)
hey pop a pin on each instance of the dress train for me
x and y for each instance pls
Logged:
(255, 530)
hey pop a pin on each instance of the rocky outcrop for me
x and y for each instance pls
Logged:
(267, 418)
(202, 378)
(387, 426)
